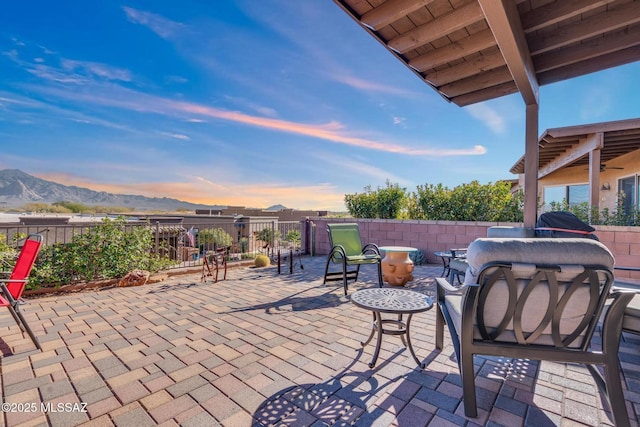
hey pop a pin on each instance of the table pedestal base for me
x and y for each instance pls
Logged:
(378, 329)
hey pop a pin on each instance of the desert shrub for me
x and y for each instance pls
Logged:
(262, 261)
(387, 202)
(293, 236)
(8, 254)
(591, 215)
(106, 251)
(214, 237)
(467, 202)
(268, 235)
(418, 257)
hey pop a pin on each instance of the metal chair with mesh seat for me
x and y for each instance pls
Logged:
(347, 251)
(537, 299)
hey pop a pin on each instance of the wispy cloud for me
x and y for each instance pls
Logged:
(95, 69)
(488, 116)
(165, 28)
(332, 131)
(69, 71)
(261, 109)
(175, 136)
(368, 86)
(357, 167)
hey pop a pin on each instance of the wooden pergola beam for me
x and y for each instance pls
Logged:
(583, 148)
(504, 21)
(463, 47)
(488, 79)
(558, 11)
(484, 94)
(614, 126)
(390, 11)
(588, 50)
(613, 59)
(480, 63)
(455, 20)
(610, 20)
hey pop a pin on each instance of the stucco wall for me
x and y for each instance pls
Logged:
(430, 236)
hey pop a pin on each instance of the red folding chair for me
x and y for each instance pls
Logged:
(13, 287)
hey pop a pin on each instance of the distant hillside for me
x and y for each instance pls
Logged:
(18, 188)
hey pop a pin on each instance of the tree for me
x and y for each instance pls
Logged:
(268, 235)
(216, 237)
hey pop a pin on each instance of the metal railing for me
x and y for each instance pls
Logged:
(185, 242)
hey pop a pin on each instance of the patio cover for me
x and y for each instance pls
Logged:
(584, 145)
(471, 51)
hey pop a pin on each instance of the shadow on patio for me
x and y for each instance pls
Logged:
(262, 348)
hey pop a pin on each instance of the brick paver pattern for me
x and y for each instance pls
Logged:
(263, 349)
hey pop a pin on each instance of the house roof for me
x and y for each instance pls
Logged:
(560, 147)
(475, 50)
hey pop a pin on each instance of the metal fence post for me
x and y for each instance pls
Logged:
(157, 240)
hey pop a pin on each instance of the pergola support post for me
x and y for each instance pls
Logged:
(531, 166)
(594, 172)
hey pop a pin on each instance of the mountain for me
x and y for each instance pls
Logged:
(18, 188)
(276, 208)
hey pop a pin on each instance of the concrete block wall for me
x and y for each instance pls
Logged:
(624, 243)
(431, 236)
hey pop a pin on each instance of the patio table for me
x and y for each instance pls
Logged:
(394, 301)
(397, 267)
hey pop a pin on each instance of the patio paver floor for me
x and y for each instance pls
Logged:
(261, 349)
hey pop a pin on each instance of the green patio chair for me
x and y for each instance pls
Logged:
(347, 250)
(537, 299)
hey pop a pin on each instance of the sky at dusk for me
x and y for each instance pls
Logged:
(250, 103)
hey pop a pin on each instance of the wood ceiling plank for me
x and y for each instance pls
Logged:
(481, 63)
(474, 43)
(485, 94)
(558, 11)
(390, 11)
(599, 63)
(607, 21)
(504, 21)
(439, 27)
(484, 80)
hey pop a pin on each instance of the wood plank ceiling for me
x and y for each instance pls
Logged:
(453, 44)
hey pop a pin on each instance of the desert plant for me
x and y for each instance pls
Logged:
(106, 251)
(293, 236)
(262, 261)
(8, 254)
(212, 238)
(268, 235)
(418, 257)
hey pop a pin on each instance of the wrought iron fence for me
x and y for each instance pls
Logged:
(185, 242)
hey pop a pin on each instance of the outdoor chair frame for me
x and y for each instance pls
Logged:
(13, 286)
(347, 250)
(488, 317)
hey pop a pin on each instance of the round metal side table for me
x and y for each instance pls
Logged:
(394, 301)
